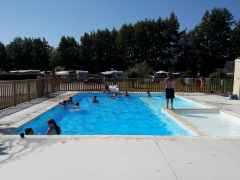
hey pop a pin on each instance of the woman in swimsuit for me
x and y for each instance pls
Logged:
(53, 128)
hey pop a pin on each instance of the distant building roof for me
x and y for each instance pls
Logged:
(229, 66)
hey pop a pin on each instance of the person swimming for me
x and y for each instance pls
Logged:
(126, 94)
(64, 103)
(113, 95)
(53, 128)
(76, 106)
(29, 131)
(69, 100)
(95, 100)
(148, 94)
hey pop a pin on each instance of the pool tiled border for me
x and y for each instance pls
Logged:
(200, 133)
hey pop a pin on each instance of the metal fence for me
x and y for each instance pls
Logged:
(16, 92)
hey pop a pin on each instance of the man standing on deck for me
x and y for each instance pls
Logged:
(169, 84)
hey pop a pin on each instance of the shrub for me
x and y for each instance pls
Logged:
(186, 76)
(59, 68)
(230, 76)
(140, 70)
(131, 73)
(188, 72)
(16, 76)
(216, 75)
(97, 76)
(90, 75)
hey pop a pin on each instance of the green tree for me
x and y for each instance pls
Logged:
(14, 52)
(172, 38)
(67, 51)
(27, 53)
(139, 70)
(40, 49)
(126, 45)
(53, 57)
(235, 42)
(210, 39)
(3, 56)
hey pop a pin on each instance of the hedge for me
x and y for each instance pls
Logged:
(186, 76)
(15, 76)
(230, 76)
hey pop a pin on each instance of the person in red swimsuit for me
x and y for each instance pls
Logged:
(198, 82)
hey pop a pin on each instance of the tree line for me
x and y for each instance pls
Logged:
(160, 43)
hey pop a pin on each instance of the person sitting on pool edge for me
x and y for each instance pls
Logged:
(53, 128)
(69, 100)
(106, 88)
(126, 94)
(148, 94)
(64, 103)
(95, 100)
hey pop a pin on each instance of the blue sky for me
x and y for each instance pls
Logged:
(53, 18)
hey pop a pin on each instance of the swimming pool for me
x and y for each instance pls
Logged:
(135, 115)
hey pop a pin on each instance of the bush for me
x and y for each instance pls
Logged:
(188, 72)
(216, 75)
(131, 73)
(140, 70)
(16, 76)
(230, 76)
(96, 76)
(90, 75)
(186, 76)
(59, 68)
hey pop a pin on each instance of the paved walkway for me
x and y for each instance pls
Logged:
(118, 159)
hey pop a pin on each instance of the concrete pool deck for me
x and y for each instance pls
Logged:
(129, 157)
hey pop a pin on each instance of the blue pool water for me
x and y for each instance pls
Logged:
(135, 115)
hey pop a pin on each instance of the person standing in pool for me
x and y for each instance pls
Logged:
(95, 100)
(169, 84)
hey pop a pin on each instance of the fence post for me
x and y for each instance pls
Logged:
(231, 86)
(14, 93)
(28, 89)
(47, 80)
(222, 86)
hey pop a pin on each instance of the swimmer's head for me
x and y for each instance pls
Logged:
(29, 131)
(64, 102)
(70, 98)
(148, 92)
(95, 97)
(76, 104)
(22, 135)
